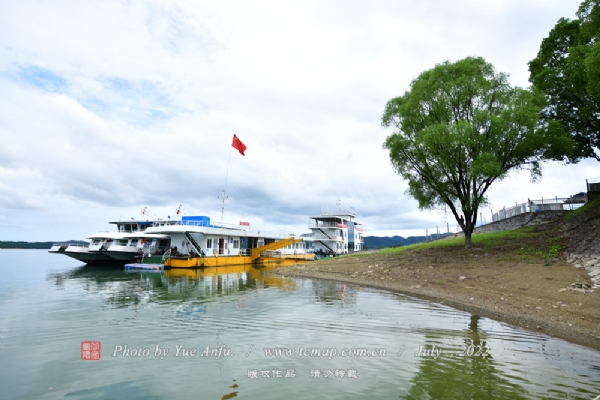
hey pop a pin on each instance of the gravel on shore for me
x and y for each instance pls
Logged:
(553, 298)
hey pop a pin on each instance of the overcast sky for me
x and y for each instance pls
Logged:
(107, 107)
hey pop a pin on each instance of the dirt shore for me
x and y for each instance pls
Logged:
(531, 292)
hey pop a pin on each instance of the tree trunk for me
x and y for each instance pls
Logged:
(467, 240)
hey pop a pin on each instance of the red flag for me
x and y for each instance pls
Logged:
(238, 145)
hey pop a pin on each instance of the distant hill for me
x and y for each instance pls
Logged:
(34, 245)
(380, 242)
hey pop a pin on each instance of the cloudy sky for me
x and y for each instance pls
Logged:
(107, 107)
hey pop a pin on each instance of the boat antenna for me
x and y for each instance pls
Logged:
(223, 197)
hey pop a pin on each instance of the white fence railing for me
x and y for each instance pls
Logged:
(548, 204)
(543, 204)
(593, 185)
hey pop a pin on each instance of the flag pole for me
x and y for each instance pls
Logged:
(224, 186)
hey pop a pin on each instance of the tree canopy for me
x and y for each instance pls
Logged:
(460, 128)
(567, 70)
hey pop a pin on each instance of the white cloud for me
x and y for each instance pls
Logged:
(110, 106)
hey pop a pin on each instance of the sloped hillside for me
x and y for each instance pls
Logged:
(580, 230)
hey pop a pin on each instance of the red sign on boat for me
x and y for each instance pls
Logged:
(244, 223)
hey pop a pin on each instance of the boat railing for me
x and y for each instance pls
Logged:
(166, 255)
(146, 253)
(245, 228)
(60, 245)
(324, 224)
(206, 224)
(320, 236)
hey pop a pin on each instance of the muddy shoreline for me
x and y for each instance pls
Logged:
(533, 296)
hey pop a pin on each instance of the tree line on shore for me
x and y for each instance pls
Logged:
(33, 245)
(381, 242)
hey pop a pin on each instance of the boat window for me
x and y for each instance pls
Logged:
(134, 226)
(127, 227)
(120, 227)
(134, 242)
(123, 242)
(96, 242)
(236, 244)
(208, 243)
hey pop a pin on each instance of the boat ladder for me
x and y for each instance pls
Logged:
(324, 234)
(194, 243)
(166, 255)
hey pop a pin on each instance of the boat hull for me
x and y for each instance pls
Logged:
(83, 254)
(206, 262)
(211, 262)
(122, 255)
(90, 258)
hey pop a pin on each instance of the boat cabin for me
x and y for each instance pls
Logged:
(335, 233)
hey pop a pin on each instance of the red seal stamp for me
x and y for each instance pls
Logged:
(90, 350)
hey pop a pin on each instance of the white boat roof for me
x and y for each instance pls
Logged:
(144, 235)
(107, 235)
(171, 229)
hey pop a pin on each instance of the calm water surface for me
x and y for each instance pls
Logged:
(49, 304)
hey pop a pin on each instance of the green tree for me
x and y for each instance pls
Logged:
(460, 128)
(567, 70)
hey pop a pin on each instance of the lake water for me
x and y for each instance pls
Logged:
(50, 304)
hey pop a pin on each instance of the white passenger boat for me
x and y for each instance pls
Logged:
(139, 245)
(335, 233)
(119, 246)
(195, 242)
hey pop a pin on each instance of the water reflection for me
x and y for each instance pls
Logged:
(124, 288)
(463, 371)
(245, 305)
(335, 294)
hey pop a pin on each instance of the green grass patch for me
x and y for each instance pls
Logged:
(529, 245)
(582, 209)
(492, 239)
